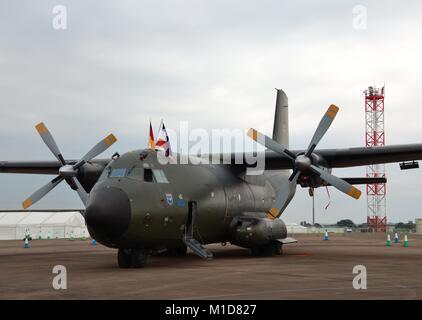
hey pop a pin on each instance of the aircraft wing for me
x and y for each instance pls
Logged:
(38, 167)
(32, 167)
(352, 157)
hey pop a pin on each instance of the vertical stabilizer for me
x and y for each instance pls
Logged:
(281, 119)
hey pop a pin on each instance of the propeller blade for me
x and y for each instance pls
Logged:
(49, 141)
(283, 198)
(269, 143)
(292, 176)
(100, 147)
(81, 191)
(37, 195)
(322, 128)
(340, 184)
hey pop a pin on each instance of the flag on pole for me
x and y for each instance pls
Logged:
(151, 142)
(163, 143)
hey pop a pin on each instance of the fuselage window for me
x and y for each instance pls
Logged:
(118, 173)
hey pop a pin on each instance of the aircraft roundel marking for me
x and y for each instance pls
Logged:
(169, 199)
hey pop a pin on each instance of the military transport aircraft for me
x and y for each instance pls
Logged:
(139, 206)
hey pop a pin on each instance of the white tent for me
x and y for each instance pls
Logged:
(54, 225)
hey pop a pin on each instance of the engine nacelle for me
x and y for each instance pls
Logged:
(309, 179)
(249, 232)
(89, 173)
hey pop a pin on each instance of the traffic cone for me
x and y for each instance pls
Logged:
(26, 243)
(388, 243)
(326, 235)
(396, 238)
(406, 242)
(94, 242)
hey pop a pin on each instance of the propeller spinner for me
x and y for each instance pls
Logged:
(303, 162)
(66, 171)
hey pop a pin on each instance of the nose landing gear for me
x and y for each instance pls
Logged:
(135, 258)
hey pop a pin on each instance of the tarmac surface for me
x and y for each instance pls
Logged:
(310, 269)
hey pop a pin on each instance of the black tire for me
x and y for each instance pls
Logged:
(254, 251)
(267, 251)
(138, 258)
(181, 251)
(278, 248)
(263, 250)
(124, 258)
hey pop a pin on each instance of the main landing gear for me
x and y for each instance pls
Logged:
(135, 258)
(267, 250)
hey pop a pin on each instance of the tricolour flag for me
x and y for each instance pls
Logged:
(151, 142)
(163, 143)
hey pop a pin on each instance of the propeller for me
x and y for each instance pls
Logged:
(66, 171)
(303, 162)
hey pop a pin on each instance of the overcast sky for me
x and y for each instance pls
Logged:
(214, 64)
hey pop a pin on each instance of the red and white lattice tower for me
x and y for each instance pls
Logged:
(375, 136)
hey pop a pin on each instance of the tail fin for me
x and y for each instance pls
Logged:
(281, 119)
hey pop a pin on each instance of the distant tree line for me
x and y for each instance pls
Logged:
(347, 223)
(405, 226)
(306, 224)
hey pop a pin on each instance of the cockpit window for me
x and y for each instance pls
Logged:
(135, 173)
(155, 175)
(159, 176)
(117, 173)
(148, 175)
(145, 174)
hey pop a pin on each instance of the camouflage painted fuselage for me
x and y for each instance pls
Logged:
(158, 210)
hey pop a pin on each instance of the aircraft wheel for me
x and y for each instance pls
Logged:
(254, 251)
(262, 251)
(124, 258)
(278, 248)
(181, 251)
(138, 258)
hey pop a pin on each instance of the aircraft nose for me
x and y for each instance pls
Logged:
(108, 213)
